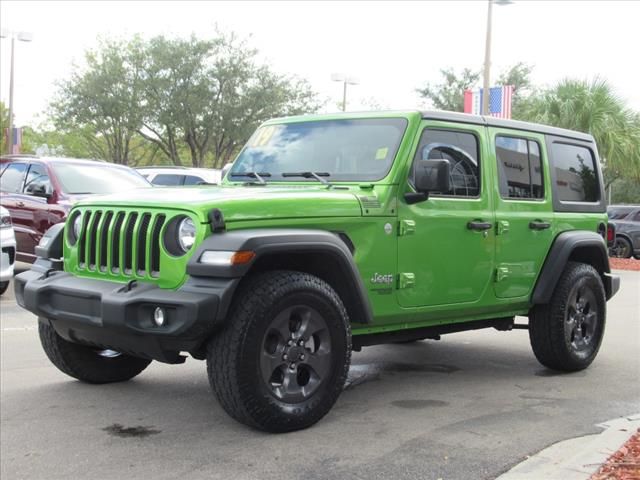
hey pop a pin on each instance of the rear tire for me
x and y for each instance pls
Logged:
(566, 333)
(621, 248)
(3, 287)
(282, 359)
(87, 364)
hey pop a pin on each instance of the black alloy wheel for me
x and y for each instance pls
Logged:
(296, 354)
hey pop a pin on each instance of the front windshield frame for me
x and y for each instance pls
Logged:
(62, 169)
(394, 127)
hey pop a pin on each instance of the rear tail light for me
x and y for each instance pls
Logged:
(611, 234)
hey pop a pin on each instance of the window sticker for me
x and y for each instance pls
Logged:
(262, 136)
(381, 153)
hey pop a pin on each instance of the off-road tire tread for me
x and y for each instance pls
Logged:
(224, 349)
(546, 322)
(83, 363)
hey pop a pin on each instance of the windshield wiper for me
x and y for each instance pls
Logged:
(317, 175)
(256, 175)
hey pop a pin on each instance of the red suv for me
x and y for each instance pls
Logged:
(39, 191)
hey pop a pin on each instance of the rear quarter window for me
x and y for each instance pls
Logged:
(576, 178)
(575, 175)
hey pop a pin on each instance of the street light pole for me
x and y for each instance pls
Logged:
(339, 77)
(23, 37)
(487, 56)
(10, 135)
(487, 64)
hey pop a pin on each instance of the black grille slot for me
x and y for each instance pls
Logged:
(115, 242)
(155, 245)
(104, 240)
(93, 240)
(141, 242)
(82, 241)
(128, 242)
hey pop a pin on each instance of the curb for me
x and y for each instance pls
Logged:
(577, 458)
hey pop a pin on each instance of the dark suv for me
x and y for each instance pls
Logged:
(40, 191)
(626, 219)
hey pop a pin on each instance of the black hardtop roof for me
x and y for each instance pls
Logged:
(502, 123)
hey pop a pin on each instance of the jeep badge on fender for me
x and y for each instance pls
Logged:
(330, 233)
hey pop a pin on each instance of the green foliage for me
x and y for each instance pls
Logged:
(625, 191)
(4, 124)
(518, 76)
(103, 100)
(173, 99)
(449, 94)
(592, 107)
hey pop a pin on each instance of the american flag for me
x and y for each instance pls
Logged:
(499, 101)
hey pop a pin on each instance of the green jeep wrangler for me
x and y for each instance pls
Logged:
(330, 233)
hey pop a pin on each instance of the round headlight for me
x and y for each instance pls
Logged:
(186, 234)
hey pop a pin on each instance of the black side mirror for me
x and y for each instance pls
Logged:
(432, 176)
(38, 190)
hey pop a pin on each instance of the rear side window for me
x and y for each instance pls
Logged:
(192, 180)
(575, 173)
(168, 180)
(13, 177)
(519, 168)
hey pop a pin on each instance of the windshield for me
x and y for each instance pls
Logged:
(348, 150)
(100, 178)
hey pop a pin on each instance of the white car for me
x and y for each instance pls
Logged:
(178, 176)
(8, 247)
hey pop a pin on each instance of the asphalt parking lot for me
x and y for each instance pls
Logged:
(467, 407)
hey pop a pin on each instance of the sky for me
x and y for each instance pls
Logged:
(391, 48)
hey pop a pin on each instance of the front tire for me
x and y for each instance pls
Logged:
(87, 364)
(3, 287)
(282, 359)
(566, 333)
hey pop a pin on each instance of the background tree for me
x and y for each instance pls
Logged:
(103, 100)
(449, 93)
(176, 98)
(519, 77)
(4, 124)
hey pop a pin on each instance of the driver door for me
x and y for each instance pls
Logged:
(34, 203)
(446, 244)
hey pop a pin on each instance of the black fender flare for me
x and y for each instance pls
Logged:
(267, 241)
(564, 245)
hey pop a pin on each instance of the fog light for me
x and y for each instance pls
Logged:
(158, 316)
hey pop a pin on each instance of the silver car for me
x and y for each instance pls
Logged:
(8, 248)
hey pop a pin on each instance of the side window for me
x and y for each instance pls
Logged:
(461, 150)
(12, 177)
(37, 178)
(519, 168)
(168, 180)
(575, 169)
(192, 180)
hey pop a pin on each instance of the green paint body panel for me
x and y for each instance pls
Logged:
(444, 272)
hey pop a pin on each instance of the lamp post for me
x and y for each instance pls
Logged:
(22, 37)
(339, 77)
(487, 56)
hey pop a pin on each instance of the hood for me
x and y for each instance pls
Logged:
(242, 202)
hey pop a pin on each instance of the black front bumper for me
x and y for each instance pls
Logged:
(120, 317)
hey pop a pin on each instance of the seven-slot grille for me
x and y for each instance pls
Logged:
(120, 242)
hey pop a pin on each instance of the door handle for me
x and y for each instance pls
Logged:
(20, 204)
(539, 225)
(479, 225)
